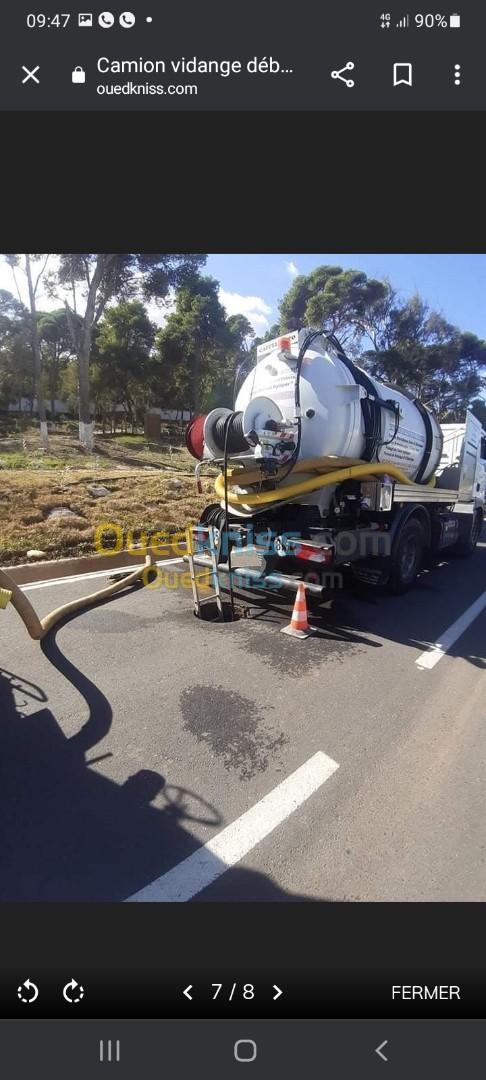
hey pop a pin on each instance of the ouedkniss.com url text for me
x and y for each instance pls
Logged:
(141, 89)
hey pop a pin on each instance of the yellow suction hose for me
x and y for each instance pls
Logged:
(38, 628)
(303, 487)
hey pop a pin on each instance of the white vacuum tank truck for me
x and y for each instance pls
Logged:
(324, 466)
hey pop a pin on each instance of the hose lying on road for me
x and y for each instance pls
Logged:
(38, 628)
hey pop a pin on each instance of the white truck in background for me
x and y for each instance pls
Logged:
(464, 458)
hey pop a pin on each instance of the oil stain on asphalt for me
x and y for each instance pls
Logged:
(232, 728)
(291, 657)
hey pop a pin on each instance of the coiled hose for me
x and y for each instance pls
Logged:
(38, 628)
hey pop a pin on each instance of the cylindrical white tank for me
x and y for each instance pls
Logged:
(331, 408)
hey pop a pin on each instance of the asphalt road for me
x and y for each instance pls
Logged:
(137, 735)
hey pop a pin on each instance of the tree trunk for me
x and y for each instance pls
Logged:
(53, 393)
(196, 383)
(37, 358)
(86, 426)
(85, 422)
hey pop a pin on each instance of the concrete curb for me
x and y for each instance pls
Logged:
(83, 564)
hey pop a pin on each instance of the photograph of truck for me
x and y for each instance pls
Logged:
(323, 457)
(242, 578)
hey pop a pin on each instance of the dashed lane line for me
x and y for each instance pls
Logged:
(428, 659)
(228, 847)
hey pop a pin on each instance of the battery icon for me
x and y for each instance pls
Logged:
(455, 22)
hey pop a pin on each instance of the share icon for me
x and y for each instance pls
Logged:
(339, 74)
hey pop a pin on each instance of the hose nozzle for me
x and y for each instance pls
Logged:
(5, 597)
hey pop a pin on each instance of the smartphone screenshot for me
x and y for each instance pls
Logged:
(242, 541)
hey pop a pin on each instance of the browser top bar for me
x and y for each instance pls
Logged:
(316, 58)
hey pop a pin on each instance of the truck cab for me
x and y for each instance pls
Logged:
(463, 462)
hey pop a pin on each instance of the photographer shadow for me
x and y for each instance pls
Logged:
(70, 833)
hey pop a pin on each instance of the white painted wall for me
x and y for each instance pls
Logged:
(60, 406)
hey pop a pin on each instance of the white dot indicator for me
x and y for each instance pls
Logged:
(149, 18)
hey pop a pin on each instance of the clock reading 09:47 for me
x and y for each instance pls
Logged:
(40, 21)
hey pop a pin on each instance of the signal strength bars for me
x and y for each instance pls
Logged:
(404, 23)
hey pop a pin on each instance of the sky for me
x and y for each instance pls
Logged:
(455, 285)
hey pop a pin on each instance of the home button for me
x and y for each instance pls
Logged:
(245, 1050)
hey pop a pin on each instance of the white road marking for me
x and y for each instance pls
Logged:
(231, 845)
(95, 574)
(431, 657)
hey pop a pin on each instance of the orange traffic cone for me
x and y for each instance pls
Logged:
(299, 623)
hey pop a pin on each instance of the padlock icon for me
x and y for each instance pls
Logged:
(79, 75)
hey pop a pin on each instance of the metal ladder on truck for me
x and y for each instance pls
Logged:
(201, 539)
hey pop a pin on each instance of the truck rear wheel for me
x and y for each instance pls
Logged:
(406, 557)
(469, 538)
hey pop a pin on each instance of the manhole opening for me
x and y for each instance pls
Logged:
(209, 612)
